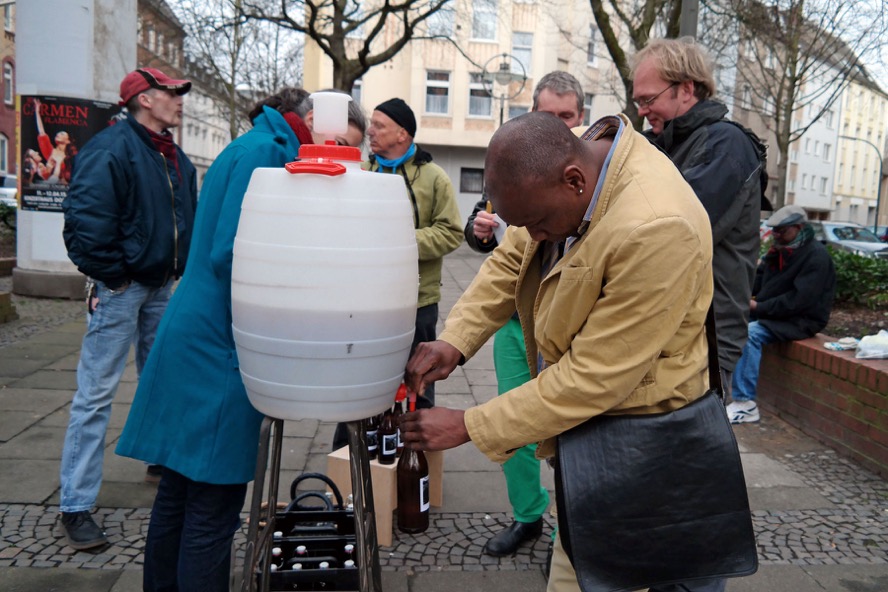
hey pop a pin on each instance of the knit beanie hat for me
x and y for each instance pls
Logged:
(400, 113)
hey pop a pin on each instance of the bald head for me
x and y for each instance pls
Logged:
(530, 149)
(537, 173)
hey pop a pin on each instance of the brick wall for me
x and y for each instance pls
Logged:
(832, 396)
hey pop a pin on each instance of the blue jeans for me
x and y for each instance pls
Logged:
(746, 373)
(119, 320)
(190, 533)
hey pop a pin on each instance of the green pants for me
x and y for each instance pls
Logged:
(528, 497)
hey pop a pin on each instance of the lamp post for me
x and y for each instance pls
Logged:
(502, 78)
(878, 184)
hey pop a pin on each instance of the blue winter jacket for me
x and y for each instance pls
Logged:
(191, 412)
(128, 212)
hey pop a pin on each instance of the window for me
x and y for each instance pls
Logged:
(150, 39)
(4, 153)
(441, 22)
(522, 44)
(471, 180)
(7, 23)
(804, 181)
(841, 173)
(517, 110)
(438, 92)
(484, 19)
(853, 174)
(357, 87)
(746, 103)
(587, 108)
(480, 101)
(807, 146)
(816, 147)
(828, 118)
(8, 90)
(749, 50)
(769, 59)
(827, 149)
(590, 48)
(823, 182)
(768, 105)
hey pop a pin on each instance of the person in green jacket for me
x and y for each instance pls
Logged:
(436, 216)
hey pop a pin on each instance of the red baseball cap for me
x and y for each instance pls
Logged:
(142, 79)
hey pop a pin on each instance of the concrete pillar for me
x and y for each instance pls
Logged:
(67, 48)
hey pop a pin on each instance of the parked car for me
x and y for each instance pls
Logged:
(882, 233)
(850, 237)
(8, 190)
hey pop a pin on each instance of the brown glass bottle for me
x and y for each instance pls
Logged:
(413, 491)
(371, 428)
(388, 439)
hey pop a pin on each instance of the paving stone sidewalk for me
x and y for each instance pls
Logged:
(821, 521)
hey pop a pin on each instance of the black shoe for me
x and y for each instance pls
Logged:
(81, 531)
(509, 539)
(548, 566)
(153, 474)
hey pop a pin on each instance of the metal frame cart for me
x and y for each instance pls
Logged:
(310, 537)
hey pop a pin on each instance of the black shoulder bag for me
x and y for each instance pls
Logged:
(646, 500)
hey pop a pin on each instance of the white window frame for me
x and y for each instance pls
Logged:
(357, 90)
(484, 20)
(8, 22)
(591, 58)
(588, 100)
(437, 84)
(522, 50)
(8, 84)
(827, 149)
(517, 110)
(479, 98)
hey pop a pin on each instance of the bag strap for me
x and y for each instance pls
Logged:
(715, 381)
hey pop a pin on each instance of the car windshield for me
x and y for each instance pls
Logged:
(854, 233)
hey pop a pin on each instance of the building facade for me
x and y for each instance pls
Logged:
(457, 108)
(863, 122)
(161, 40)
(8, 161)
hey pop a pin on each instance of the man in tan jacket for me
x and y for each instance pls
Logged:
(607, 260)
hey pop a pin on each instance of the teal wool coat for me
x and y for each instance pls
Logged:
(191, 413)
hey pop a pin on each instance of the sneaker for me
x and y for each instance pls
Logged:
(81, 531)
(743, 412)
(153, 473)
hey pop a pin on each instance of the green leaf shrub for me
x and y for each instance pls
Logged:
(860, 280)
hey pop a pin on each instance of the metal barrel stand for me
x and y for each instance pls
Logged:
(257, 558)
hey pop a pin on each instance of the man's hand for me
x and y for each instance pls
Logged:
(484, 225)
(753, 305)
(437, 428)
(431, 361)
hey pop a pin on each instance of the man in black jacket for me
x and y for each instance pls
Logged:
(673, 87)
(128, 219)
(792, 297)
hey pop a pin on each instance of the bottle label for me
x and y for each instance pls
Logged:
(389, 444)
(371, 440)
(424, 494)
(400, 441)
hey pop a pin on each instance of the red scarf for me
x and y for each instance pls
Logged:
(165, 145)
(303, 134)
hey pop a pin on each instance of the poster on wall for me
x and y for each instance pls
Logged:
(52, 130)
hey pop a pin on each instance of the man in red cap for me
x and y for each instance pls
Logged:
(128, 219)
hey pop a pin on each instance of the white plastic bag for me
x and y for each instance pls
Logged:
(873, 347)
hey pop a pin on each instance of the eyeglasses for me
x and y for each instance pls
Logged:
(646, 103)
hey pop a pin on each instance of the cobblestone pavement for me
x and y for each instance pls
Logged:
(855, 531)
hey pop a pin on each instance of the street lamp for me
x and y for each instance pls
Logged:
(879, 184)
(502, 78)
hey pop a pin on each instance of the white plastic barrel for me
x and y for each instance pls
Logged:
(323, 289)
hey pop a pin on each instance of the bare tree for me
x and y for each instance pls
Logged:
(634, 20)
(237, 60)
(795, 59)
(355, 35)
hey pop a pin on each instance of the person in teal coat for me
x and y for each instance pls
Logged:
(191, 413)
